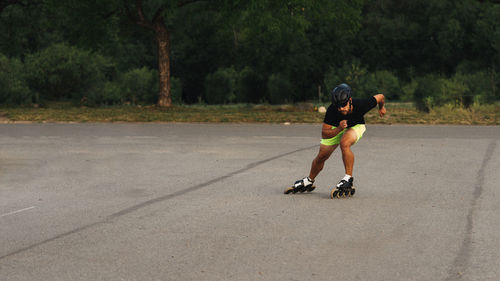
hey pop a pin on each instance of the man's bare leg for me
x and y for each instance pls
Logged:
(319, 162)
(348, 139)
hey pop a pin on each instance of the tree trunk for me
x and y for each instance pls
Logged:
(163, 40)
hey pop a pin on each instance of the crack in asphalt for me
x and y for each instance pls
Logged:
(462, 260)
(156, 200)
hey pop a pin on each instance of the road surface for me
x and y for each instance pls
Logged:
(206, 202)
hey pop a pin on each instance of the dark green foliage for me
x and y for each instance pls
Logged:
(434, 90)
(482, 85)
(250, 86)
(24, 30)
(426, 89)
(139, 86)
(220, 86)
(176, 90)
(62, 72)
(386, 82)
(13, 87)
(280, 89)
(363, 82)
(276, 51)
(108, 93)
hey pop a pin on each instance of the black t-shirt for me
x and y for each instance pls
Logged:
(359, 108)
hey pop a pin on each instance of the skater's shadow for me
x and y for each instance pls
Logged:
(321, 195)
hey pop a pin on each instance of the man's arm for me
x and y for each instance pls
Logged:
(380, 101)
(327, 132)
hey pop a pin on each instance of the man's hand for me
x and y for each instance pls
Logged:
(380, 101)
(343, 124)
(382, 111)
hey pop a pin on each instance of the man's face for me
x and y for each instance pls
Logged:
(345, 109)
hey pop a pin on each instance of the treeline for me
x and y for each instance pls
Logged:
(262, 51)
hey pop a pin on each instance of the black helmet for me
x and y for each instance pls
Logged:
(341, 95)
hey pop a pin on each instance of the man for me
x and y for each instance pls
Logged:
(343, 125)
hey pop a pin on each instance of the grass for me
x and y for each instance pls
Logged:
(398, 113)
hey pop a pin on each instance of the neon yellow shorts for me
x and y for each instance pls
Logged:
(359, 129)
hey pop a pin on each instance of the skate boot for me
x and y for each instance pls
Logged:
(343, 189)
(305, 184)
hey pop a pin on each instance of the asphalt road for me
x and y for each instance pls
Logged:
(206, 202)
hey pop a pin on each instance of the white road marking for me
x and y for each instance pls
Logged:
(18, 211)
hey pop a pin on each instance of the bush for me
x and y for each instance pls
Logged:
(452, 92)
(363, 82)
(64, 72)
(388, 84)
(176, 90)
(250, 87)
(352, 74)
(482, 85)
(279, 89)
(220, 86)
(427, 88)
(408, 91)
(109, 93)
(140, 85)
(13, 86)
(433, 90)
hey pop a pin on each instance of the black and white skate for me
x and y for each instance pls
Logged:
(301, 186)
(344, 189)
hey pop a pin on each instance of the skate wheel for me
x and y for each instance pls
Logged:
(288, 190)
(353, 191)
(311, 188)
(334, 194)
(340, 194)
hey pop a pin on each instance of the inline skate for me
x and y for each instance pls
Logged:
(344, 189)
(303, 185)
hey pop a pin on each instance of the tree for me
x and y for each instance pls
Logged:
(155, 19)
(90, 23)
(20, 27)
(156, 23)
(296, 41)
(5, 3)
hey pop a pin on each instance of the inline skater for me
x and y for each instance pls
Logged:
(344, 125)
